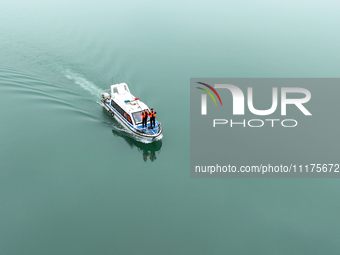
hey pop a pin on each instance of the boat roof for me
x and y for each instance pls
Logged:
(120, 93)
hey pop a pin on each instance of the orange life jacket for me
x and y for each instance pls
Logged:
(152, 114)
(144, 114)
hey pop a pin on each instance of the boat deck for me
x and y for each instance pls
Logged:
(152, 131)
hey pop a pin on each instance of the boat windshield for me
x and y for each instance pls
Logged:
(137, 116)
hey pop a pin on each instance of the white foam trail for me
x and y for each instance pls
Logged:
(85, 84)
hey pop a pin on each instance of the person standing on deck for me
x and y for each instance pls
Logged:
(152, 115)
(144, 118)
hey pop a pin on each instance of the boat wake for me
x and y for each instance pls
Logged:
(82, 82)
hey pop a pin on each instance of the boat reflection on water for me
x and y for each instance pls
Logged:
(148, 150)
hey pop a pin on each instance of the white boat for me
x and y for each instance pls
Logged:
(128, 109)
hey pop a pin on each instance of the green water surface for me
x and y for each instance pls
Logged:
(72, 183)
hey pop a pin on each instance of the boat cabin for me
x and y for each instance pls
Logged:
(128, 106)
